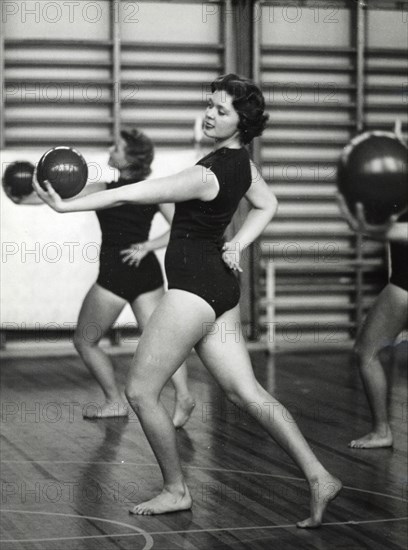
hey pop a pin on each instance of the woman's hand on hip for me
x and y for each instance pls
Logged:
(134, 254)
(231, 254)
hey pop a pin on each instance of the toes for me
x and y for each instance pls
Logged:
(300, 524)
(140, 511)
(308, 524)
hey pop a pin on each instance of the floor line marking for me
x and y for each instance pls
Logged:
(226, 470)
(149, 535)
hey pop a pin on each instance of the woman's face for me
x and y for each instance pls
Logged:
(221, 119)
(117, 155)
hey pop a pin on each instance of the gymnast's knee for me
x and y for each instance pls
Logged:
(237, 397)
(139, 395)
(82, 343)
(363, 355)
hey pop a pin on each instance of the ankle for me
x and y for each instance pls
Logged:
(183, 396)
(178, 488)
(318, 475)
(382, 428)
(114, 401)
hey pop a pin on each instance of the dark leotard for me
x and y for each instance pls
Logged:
(399, 260)
(194, 255)
(122, 226)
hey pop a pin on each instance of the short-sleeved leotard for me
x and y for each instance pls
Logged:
(399, 260)
(194, 255)
(122, 226)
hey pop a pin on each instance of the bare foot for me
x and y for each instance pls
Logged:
(373, 440)
(110, 409)
(182, 411)
(322, 491)
(164, 503)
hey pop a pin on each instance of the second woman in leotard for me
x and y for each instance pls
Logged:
(129, 272)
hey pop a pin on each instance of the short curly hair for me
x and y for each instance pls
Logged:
(248, 101)
(139, 152)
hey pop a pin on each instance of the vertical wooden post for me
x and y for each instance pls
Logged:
(116, 69)
(256, 41)
(238, 40)
(230, 63)
(270, 305)
(359, 279)
(2, 88)
(360, 48)
(360, 78)
(256, 155)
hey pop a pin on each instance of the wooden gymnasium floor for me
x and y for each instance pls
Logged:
(67, 483)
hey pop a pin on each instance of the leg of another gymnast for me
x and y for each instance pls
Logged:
(386, 319)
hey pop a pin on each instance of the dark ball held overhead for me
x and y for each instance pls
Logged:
(373, 171)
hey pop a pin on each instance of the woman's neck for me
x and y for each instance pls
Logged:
(126, 174)
(230, 143)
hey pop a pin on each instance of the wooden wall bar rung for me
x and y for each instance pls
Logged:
(143, 46)
(56, 43)
(45, 63)
(167, 84)
(307, 50)
(335, 267)
(303, 141)
(27, 141)
(280, 67)
(60, 81)
(310, 105)
(44, 121)
(312, 288)
(61, 102)
(309, 124)
(300, 84)
(397, 71)
(386, 52)
(173, 65)
(172, 46)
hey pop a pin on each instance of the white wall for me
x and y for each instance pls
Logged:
(43, 277)
(139, 21)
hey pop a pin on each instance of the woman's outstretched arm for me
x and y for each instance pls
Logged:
(193, 183)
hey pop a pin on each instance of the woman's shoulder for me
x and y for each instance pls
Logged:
(225, 156)
(403, 217)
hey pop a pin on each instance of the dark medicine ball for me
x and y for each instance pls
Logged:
(65, 169)
(18, 179)
(373, 170)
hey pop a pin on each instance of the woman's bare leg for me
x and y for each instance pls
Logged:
(143, 307)
(385, 320)
(175, 326)
(225, 355)
(99, 311)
